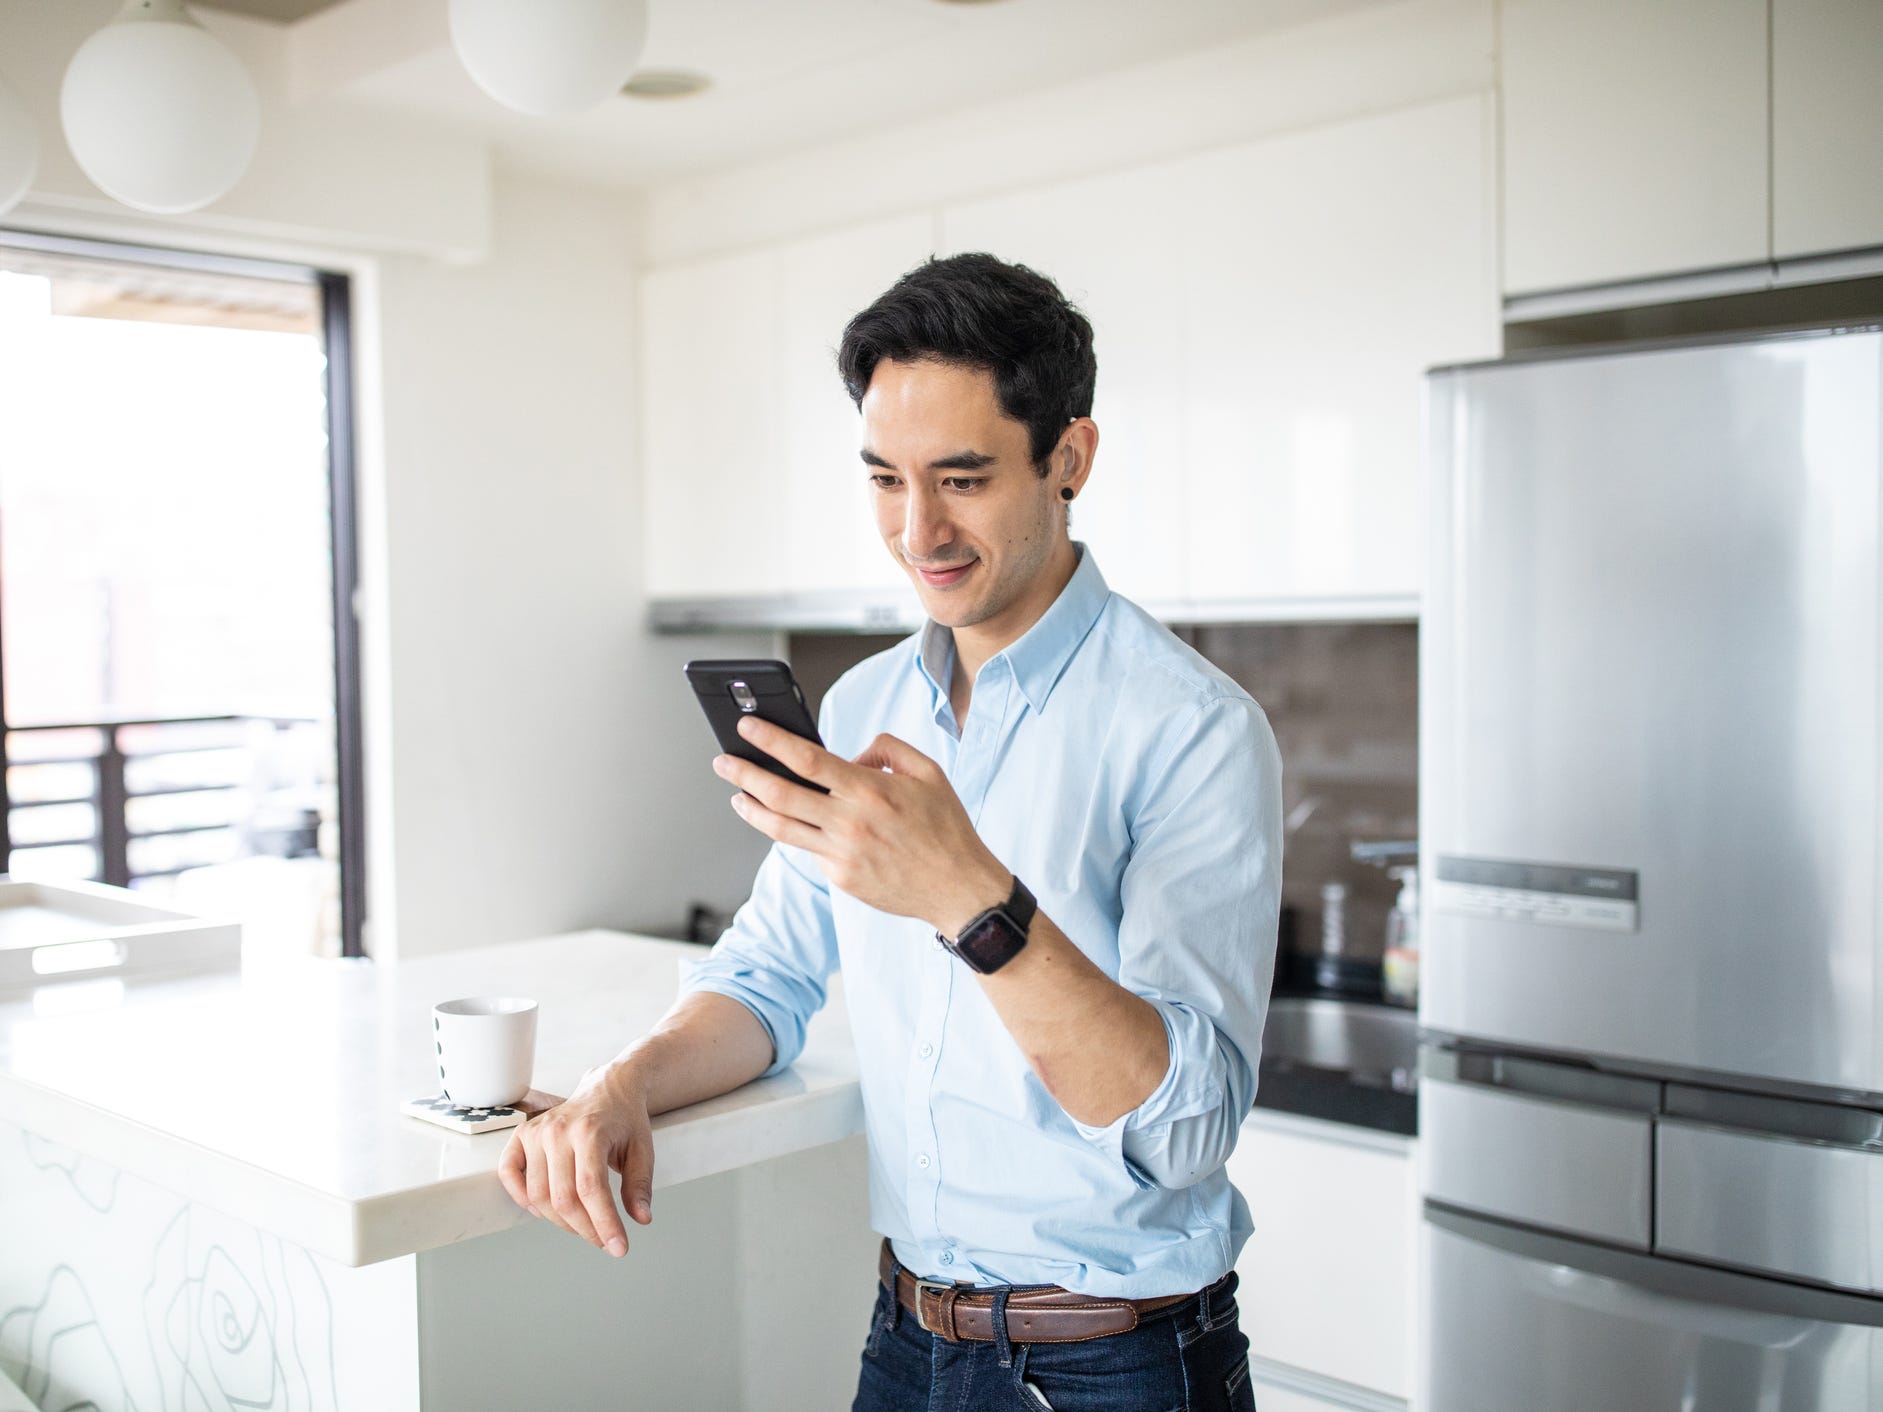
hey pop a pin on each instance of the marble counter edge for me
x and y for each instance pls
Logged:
(318, 1220)
(688, 1146)
(708, 1139)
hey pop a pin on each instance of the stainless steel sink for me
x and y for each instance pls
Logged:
(1370, 1044)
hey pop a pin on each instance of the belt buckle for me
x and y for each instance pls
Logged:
(936, 1288)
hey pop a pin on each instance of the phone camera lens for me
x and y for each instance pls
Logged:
(742, 694)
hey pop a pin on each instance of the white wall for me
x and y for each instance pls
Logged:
(549, 764)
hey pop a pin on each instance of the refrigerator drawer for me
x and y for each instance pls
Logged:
(1805, 1209)
(1541, 1161)
(1521, 1320)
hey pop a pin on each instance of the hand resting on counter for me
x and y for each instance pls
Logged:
(556, 1163)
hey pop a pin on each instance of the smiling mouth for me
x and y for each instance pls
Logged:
(942, 578)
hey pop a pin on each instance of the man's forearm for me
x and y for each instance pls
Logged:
(1099, 1049)
(706, 1045)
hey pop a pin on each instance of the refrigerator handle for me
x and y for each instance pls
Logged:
(1541, 1078)
(1827, 1124)
(1669, 1294)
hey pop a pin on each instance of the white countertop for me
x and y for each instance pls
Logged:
(273, 1094)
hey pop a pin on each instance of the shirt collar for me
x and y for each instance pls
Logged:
(934, 658)
(1039, 655)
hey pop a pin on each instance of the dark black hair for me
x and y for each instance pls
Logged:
(980, 312)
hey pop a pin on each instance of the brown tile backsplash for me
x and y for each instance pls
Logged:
(1343, 700)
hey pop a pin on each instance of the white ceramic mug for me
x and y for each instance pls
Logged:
(486, 1048)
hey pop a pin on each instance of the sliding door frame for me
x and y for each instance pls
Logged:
(336, 300)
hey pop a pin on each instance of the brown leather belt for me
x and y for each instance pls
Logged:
(1044, 1315)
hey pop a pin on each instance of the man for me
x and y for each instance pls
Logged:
(1049, 867)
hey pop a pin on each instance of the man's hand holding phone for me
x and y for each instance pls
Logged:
(887, 826)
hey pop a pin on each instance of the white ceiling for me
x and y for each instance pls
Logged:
(785, 73)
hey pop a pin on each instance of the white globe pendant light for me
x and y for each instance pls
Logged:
(160, 113)
(19, 147)
(549, 56)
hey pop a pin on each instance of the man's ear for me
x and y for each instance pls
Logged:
(1072, 458)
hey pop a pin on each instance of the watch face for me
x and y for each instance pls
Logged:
(990, 942)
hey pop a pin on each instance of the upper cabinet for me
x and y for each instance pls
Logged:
(1323, 273)
(1113, 245)
(754, 486)
(1645, 140)
(831, 537)
(1263, 316)
(1827, 125)
(1634, 138)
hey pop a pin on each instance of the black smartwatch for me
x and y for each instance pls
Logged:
(995, 937)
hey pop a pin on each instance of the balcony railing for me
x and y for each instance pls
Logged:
(156, 783)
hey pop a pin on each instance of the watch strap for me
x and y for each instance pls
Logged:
(1021, 905)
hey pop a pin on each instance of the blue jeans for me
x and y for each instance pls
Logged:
(1190, 1357)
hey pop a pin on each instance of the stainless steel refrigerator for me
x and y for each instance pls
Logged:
(1651, 1098)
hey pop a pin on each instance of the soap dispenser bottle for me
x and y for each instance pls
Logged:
(1401, 958)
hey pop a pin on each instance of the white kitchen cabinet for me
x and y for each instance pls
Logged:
(832, 542)
(1328, 1281)
(715, 493)
(1111, 244)
(754, 487)
(1634, 139)
(1827, 125)
(1263, 317)
(1323, 273)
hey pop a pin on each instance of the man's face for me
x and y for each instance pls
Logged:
(958, 500)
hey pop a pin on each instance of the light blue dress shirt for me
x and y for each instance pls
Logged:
(1136, 790)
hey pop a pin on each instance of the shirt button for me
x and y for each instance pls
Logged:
(927, 1050)
(948, 1257)
(921, 1160)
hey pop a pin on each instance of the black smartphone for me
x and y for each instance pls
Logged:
(735, 687)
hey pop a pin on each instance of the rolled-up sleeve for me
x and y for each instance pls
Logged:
(1201, 900)
(777, 955)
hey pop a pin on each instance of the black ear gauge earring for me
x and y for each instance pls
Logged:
(1065, 492)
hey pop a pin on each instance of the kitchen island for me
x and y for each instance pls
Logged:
(209, 1197)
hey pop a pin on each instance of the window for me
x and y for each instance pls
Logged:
(179, 683)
